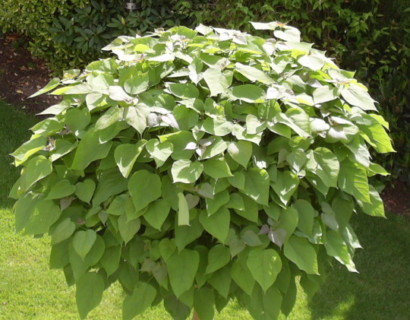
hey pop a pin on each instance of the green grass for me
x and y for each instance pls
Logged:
(29, 290)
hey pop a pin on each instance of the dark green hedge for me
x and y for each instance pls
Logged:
(372, 37)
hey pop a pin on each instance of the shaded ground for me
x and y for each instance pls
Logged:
(21, 75)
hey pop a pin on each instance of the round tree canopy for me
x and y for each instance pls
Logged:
(199, 166)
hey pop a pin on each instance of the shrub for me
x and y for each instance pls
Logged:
(202, 166)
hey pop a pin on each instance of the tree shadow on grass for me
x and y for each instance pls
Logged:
(382, 288)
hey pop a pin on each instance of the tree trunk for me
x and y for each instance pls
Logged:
(195, 316)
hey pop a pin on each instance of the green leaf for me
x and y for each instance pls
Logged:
(302, 253)
(221, 281)
(257, 185)
(117, 93)
(110, 117)
(184, 235)
(53, 83)
(286, 226)
(217, 82)
(215, 203)
(77, 119)
(61, 189)
(358, 96)
(157, 212)
(377, 138)
(63, 231)
(89, 292)
(182, 268)
(83, 242)
(253, 73)
(375, 207)
(218, 257)
(217, 224)
(144, 187)
(242, 276)
(353, 180)
(36, 169)
(110, 183)
(27, 149)
(324, 94)
(184, 91)
(306, 214)
(312, 62)
(264, 265)
(111, 259)
(285, 185)
(249, 93)
(183, 210)
(186, 171)
(125, 156)
(138, 83)
(136, 117)
(217, 147)
(336, 247)
(84, 190)
(23, 210)
(45, 213)
(323, 163)
(128, 228)
(141, 299)
(217, 168)
(159, 151)
(241, 152)
(180, 140)
(83, 157)
(204, 301)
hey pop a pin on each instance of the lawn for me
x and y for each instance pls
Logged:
(29, 290)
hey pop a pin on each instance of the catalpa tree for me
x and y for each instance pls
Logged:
(200, 166)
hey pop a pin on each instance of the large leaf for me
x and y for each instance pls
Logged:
(186, 171)
(217, 224)
(323, 163)
(27, 149)
(302, 253)
(353, 180)
(241, 152)
(265, 265)
(125, 156)
(285, 185)
(359, 97)
(144, 187)
(159, 151)
(336, 247)
(36, 169)
(83, 241)
(249, 93)
(217, 82)
(89, 292)
(157, 212)
(218, 257)
(253, 73)
(217, 168)
(83, 157)
(257, 185)
(141, 299)
(182, 268)
(375, 207)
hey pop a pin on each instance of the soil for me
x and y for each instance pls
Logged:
(21, 75)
